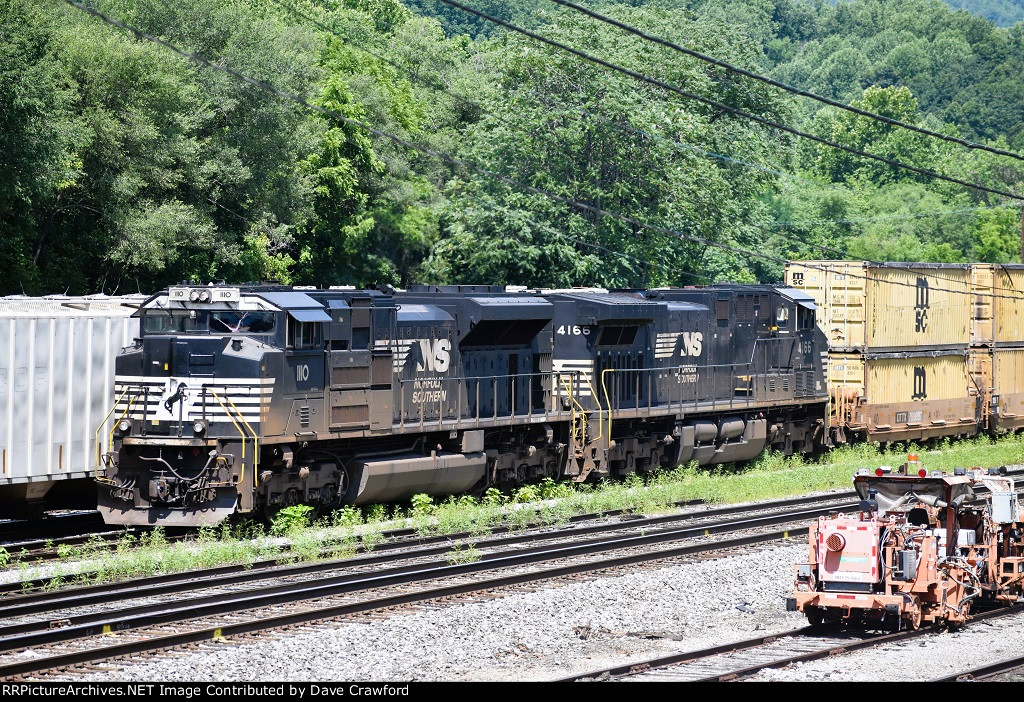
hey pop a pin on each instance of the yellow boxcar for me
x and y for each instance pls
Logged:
(892, 307)
(902, 396)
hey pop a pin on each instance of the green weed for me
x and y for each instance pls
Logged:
(290, 519)
(461, 553)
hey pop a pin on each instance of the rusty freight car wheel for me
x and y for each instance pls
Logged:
(913, 619)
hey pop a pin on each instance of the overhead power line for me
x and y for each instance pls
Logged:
(724, 107)
(677, 145)
(266, 87)
(881, 218)
(788, 88)
(513, 125)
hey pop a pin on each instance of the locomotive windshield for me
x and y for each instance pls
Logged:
(208, 321)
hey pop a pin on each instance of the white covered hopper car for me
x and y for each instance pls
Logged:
(56, 385)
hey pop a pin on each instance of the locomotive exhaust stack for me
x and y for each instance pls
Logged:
(922, 548)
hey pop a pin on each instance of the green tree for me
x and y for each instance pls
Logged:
(997, 236)
(872, 136)
(579, 131)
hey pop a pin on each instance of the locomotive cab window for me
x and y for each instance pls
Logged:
(303, 335)
(782, 317)
(213, 321)
(241, 322)
(160, 321)
(804, 318)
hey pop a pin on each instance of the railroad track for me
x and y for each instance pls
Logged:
(1008, 670)
(33, 646)
(83, 535)
(57, 642)
(741, 659)
(91, 538)
(411, 538)
(53, 527)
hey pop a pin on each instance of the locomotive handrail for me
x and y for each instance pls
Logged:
(578, 419)
(255, 440)
(477, 398)
(604, 388)
(96, 434)
(241, 433)
(131, 402)
(600, 411)
(471, 398)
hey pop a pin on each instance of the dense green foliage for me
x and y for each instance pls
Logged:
(126, 167)
(1002, 12)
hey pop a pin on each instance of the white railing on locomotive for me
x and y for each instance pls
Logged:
(471, 400)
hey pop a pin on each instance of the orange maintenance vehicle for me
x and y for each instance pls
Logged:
(923, 547)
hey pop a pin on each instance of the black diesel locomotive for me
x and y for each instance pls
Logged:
(250, 399)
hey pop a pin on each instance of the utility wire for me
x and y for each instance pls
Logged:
(737, 111)
(916, 215)
(678, 145)
(479, 169)
(788, 88)
(440, 88)
(724, 107)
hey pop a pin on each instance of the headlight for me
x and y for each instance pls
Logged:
(204, 296)
(194, 296)
(125, 426)
(199, 426)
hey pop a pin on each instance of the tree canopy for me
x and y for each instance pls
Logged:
(127, 167)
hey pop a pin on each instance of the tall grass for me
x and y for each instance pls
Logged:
(348, 530)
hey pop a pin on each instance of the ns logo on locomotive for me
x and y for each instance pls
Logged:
(253, 398)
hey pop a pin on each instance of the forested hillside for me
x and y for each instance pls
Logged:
(494, 158)
(1002, 12)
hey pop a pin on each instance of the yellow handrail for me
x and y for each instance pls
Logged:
(580, 415)
(251, 431)
(241, 433)
(255, 442)
(123, 414)
(600, 411)
(96, 434)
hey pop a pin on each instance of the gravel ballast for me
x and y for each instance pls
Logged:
(570, 629)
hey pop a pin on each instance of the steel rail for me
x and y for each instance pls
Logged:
(984, 672)
(368, 582)
(411, 536)
(27, 634)
(666, 662)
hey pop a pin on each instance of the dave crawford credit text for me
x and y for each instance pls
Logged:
(190, 691)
